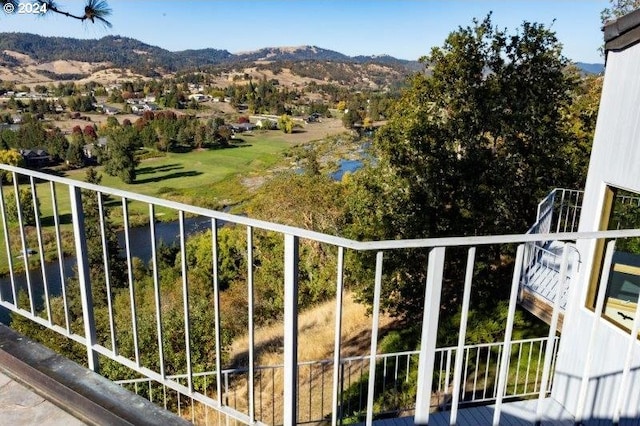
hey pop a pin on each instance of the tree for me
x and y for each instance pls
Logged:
(75, 154)
(117, 264)
(285, 123)
(119, 159)
(469, 149)
(11, 157)
(90, 134)
(26, 207)
(618, 8)
(57, 144)
(350, 118)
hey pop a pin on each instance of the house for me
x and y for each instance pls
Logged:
(35, 158)
(110, 110)
(149, 106)
(90, 148)
(243, 127)
(598, 341)
(198, 97)
(267, 124)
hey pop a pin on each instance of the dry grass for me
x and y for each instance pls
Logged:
(316, 334)
(315, 343)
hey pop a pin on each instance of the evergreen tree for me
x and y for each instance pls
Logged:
(119, 157)
(93, 234)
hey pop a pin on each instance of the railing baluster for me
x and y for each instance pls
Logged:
(486, 373)
(156, 288)
(185, 299)
(251, 331)
(462, 333)
(23, 239)
(216, 307)
(132, 293)
(290, 415)
(322, 391)
(406, 378)
(63, 281)
(504, 364)
(433, 291)
(310, 387)
(7, 242)
(540, 357)
(107, 273)
(526, 379)
(597, 314)
(575, 212)
(337, 336)
(466, 370)
(82, 260)
(45, 281)
(553, 327)
(374, 337)
(497, 375)
(440, 355)
(475, 375)
(384, 374)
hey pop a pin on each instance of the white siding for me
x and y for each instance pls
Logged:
(615, 161)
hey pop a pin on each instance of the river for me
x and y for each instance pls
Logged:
(140, 245)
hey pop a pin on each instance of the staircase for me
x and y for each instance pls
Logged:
(557, 212)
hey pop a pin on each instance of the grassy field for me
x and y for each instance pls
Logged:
(197, 172)
(208, 178)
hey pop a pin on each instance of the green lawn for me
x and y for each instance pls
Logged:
(209, 178)
(197, 169)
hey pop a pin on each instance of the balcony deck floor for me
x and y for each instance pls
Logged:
(520, 413)
(20, 405)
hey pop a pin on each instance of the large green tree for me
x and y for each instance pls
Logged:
(119, 156)
(470, 148)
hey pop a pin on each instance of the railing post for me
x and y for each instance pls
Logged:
(503, 367)
(457, 369)
(377, 291)
(429, 334)
(84, 280)
(290, 415)
(337, 339)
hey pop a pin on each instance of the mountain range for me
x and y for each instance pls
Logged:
(124, 52)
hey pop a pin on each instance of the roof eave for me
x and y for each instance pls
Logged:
(622, 32)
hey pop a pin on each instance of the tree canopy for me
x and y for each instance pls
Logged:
(471, 147)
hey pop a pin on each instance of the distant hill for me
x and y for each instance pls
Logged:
(124, 52)
(590, 68)
(121, 52)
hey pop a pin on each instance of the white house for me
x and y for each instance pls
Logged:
(596, 332)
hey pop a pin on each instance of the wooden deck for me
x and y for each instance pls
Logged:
(520, 413)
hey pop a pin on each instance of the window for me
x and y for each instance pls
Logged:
(621, 211)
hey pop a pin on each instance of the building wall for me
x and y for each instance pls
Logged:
(615, 161)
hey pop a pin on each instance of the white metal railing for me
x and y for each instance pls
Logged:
(559, 211)
(481, 363)
(149, 362)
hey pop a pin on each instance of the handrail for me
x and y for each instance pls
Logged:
(456, 241)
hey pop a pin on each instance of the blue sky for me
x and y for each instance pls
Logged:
(404, 29)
